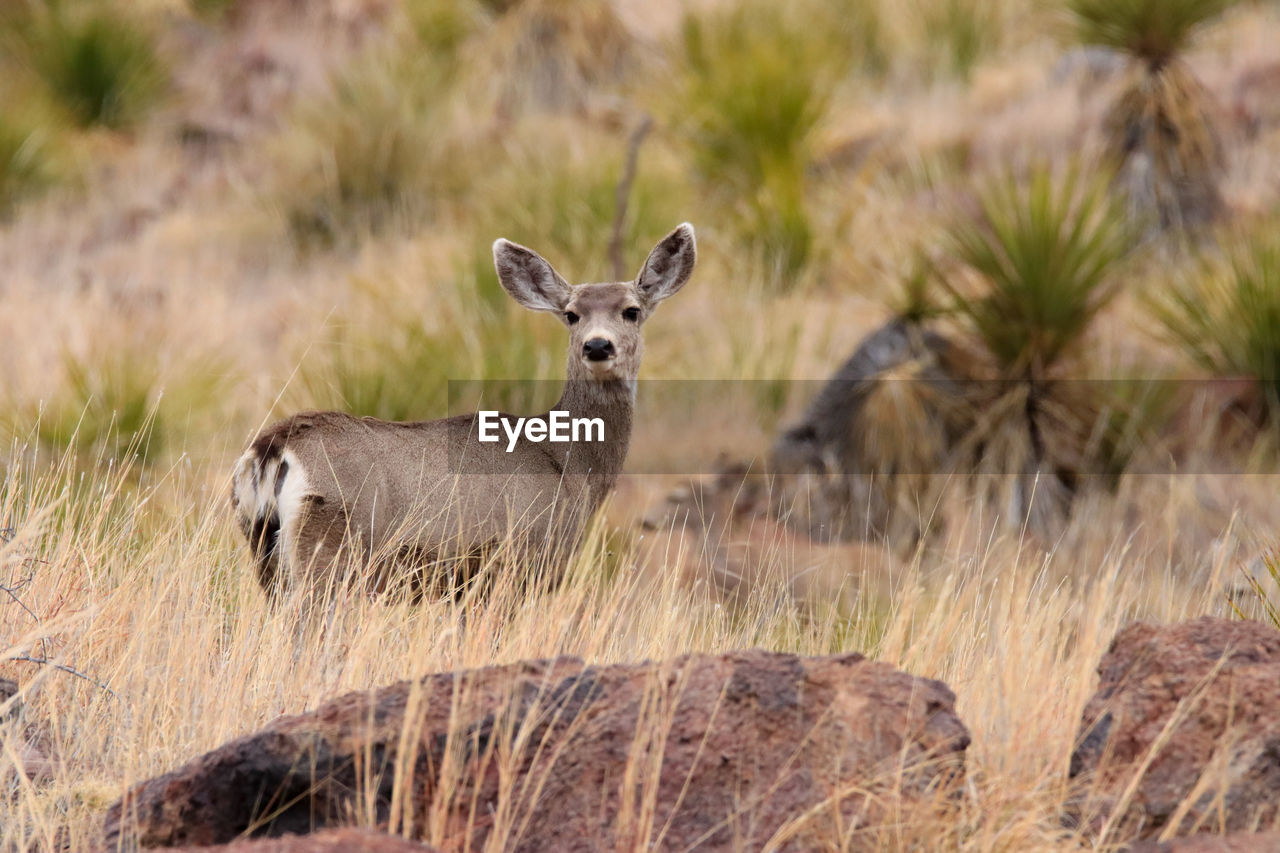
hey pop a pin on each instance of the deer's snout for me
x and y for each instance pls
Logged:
(598, 349)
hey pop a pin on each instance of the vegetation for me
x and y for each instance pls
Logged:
(99, 63)
(1045, 255)
(1159, 129)
(1226, 314)
(757, 80)
(25, 162)
(958, 32)
(786, 133)
(364, 155)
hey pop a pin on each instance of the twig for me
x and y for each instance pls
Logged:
(623, 194)
(62, 667)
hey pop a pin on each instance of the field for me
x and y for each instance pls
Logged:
(225, 212)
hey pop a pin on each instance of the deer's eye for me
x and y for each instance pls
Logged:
(571, 317)
(631, 314)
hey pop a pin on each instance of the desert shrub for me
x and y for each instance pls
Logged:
(1041, 258)
(364, 155)
(563, 203)
(1225, 314)
(26, 165)
(211, 10)
(1159, 129)
(393, 365)
(442, 26)
(553, 55)
(958, 33)
(756, 80)
(1044, 255)
(99, 63)
(118, 403)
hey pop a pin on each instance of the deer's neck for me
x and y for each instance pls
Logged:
(612, 401)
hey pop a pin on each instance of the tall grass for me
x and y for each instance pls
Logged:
(366, 155)
(26, 163)
(1015, 634)
(97, 60)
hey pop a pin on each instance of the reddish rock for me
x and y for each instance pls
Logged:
(1208, 693)
(325, 841)
(1240, 842)
(715, 750)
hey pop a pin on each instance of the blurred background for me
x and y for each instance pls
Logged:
(980, 362)
(216, 212)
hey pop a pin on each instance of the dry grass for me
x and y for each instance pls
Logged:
(133, 576)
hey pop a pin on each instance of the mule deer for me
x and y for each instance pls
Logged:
(432, 495)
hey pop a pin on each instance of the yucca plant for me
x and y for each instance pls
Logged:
(1044, 254)
(1226, 315)
(364, 154)
(99, 63)
(756, 81)
(1160, 131)
(1041, 259)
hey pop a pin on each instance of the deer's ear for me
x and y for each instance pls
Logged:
(669, 265)
(529, 279)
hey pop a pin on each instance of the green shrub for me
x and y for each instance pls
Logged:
(564, 205)
(1226, 314)
(1154, 31)
(118, 403)
(756, 81)
(958, 33)
(211, 10)
(393, 366)
(1045, 256)
(109, 408)
(98, 63)
(364, 155)
(25, 162)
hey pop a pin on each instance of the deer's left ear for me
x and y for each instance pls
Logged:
(668, 266)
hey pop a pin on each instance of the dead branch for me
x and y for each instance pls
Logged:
(623, 194)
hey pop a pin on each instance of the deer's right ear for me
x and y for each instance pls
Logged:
(529, 279)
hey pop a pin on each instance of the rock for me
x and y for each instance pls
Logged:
(1214, 685)
(325, 841)
(1240, 842)
(856, 464)
(717, 750)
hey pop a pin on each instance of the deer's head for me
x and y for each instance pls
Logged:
(604, 320)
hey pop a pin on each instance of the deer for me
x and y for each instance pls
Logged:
(422, 501)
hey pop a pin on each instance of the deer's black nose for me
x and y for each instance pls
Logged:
(598, 349)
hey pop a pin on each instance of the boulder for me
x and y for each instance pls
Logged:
(346, 840)
(1239, 842)
(722, 751)
(1188, 715)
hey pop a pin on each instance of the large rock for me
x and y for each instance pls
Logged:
(717, 750)
(347, 840)
(1190, 711)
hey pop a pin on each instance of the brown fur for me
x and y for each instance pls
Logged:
(414, 502)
